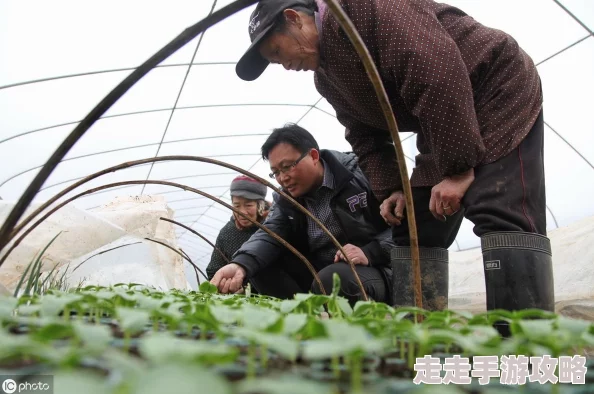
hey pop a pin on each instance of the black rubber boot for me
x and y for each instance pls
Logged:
(434, 278)
(518, 273)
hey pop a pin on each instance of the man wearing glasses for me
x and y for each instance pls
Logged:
(333, 188)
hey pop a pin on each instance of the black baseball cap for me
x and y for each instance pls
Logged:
(252, 64)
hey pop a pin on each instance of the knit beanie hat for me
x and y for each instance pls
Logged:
(246, 187)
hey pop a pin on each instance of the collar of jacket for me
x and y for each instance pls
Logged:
(337, 163)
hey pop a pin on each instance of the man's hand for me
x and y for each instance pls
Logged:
(229, 279)
(392, 209)
(447, 195)
(354, 253)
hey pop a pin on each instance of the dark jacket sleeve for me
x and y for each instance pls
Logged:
(216, 260)
(262, 249)
(375, 151)
(378, 250)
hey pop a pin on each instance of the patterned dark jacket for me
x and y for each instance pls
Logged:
(469, 92)
(355, 207)
(228, 241)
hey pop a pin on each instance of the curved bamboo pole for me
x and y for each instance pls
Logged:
(183, 158)
(201, 236)
(105, 251)
(195, 268)
(183, 38)
(183, 255)
(349, 28)
(184, 187)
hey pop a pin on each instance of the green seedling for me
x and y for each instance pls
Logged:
(311, 304)
(374, 310)
(25, 349)
(8, 305)
(34, 270)
(162, 348)
(94, 338)
(52, 305)
(206, 321)
(260, 318)
(180, 378)
(344, 340)
(207, 288)
(312, 329)
(52, 331)
(288, 306)
(225, 314)
(132, 322)
(280, 344)
(338, 306)
(294, 323)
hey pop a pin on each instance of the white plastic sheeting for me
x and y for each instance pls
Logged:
(198, 106)
(104, 247)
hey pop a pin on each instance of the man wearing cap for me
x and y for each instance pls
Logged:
(469, 92)
(248, 196)
(332, 187)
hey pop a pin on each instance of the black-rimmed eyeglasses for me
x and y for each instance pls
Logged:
(287, 168)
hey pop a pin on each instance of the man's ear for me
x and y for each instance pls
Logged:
(315, 155)
(293, 17)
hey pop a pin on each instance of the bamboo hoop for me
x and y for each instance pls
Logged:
(201, 236)
(183, 255)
